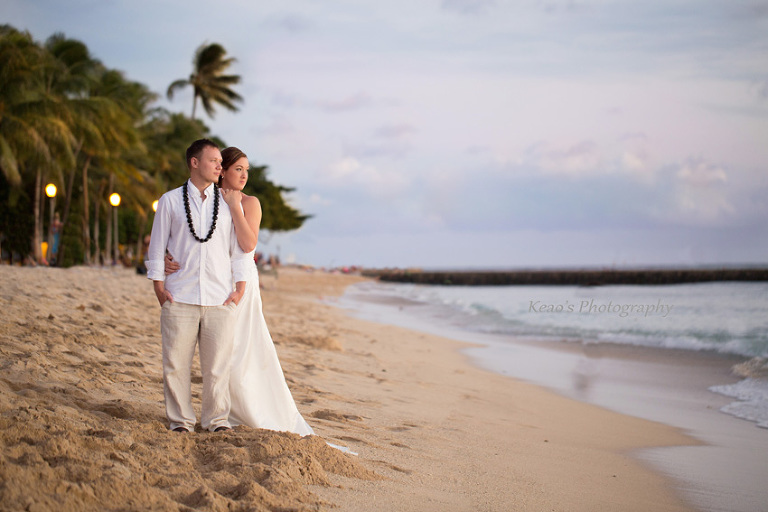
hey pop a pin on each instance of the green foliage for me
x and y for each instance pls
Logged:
(167, 136)
(277, 215)
(71, 250)
(65, 117)
(15, 229)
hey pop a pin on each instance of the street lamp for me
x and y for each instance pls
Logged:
(154, 205)
(114, 200)
(50, 191)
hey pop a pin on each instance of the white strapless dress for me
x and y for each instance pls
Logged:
(260, 396)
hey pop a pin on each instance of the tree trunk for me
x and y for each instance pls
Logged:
(65, 216)
(139, 256)
(86, 215)
(108, 248)
(36, 233)
(96, 211)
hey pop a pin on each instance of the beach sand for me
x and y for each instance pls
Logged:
(82, 422)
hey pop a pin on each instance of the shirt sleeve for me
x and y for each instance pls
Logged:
(242, 262)
(158, 241)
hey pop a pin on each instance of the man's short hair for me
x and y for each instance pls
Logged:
(195, 150)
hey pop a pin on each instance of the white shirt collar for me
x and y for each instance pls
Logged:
(194, 191)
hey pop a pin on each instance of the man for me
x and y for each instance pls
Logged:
(193, 222)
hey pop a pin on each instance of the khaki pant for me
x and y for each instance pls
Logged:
(212, 328)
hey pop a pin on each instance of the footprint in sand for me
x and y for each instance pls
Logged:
(403, 428)
(327, 414)
(394, 467)
(352, 440)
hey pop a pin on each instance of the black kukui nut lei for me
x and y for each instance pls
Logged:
(189, 214)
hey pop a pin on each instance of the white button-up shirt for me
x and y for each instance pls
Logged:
(207, 269)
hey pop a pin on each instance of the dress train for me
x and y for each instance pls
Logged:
(259, 394)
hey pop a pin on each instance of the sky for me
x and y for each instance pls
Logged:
(476, 133)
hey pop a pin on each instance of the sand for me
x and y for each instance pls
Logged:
(82, 423)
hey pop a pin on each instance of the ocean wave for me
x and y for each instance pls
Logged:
(752, 400)
(726, 318)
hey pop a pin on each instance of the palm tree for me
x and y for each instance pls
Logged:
(19, 57)
(210, 83)
(73, 77)
(35, 138)
(123, 153)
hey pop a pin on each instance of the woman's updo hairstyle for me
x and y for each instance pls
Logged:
(229, 156)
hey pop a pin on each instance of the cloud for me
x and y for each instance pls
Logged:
(762, 90)
(553, 6)
(693, 193)
(625, 190)
(352, 102)
(285, 99)
(701, 195)
(468, 6)
(633, 137)
(629, 154)
(317, 199)
(349, 172)
(479, 149)
(389, 148)
(356, 101)
(292, 23)
(700, 174)
(634, 162)
(394, 131)
(279, 126)
(344, 168)
(635, 156)
(389, 141)
(581, 158)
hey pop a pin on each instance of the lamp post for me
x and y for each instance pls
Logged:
(114, 200)
(50, 191)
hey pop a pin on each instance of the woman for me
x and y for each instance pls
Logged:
(259, 394)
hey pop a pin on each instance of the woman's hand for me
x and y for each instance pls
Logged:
(163, 295)
(232, 197)
(170, 265)
(235, 297)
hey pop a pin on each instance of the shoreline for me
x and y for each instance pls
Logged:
(632, 380)
(83, 423)
(553, 477)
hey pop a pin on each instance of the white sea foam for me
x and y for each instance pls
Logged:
(727, 318)
(752, 400)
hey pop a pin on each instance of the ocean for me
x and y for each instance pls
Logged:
(693, 356)
(727, 318)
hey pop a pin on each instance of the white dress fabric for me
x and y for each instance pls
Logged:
(259, 394)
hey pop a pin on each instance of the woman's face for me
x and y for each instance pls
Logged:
(236, 175)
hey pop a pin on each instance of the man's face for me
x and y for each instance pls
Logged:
(208, 166)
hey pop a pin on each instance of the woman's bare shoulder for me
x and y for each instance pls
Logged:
(251, 203)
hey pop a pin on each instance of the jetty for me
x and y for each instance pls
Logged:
(579, 277)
